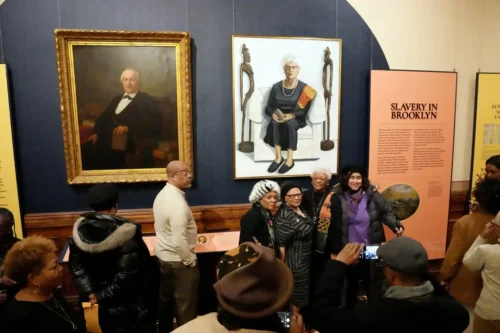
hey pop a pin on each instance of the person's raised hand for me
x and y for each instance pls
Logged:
(350, 253)
(297, 324)
(93, 138)
(488, 230)
(120, 130)
(5, 281)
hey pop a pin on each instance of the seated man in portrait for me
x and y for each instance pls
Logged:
(131, 121)
(288, 104)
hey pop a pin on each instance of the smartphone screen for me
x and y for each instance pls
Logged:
(369, 252)
(286, 318)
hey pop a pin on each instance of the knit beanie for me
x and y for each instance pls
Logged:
(102, 196)
(287, 186)
(352, 168)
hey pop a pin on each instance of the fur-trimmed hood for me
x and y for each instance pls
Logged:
(96, 233)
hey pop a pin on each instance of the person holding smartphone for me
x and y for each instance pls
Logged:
(415, 301)
(358, 213)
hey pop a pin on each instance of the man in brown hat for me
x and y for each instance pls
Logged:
(252, 286)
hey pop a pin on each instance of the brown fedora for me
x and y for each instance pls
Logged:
(252, 283)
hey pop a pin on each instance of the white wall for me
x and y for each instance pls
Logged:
(440, 35)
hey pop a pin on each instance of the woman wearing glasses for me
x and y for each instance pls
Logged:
(287, 107)
(295, 229)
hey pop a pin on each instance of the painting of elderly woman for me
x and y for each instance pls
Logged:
(288, 104)
(286, 114)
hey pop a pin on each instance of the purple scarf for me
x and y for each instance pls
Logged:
(358, 219)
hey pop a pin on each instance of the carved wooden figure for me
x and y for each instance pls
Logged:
(327, 144)
(245, 67)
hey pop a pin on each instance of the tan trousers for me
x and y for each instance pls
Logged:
(486, 326)
(178, 294)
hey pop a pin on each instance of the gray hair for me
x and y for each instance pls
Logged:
(290, 58)
(130, 69)
(324, 171)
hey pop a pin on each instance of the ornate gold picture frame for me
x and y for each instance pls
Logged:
(125, 103)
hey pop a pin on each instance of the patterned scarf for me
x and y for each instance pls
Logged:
(270, 227)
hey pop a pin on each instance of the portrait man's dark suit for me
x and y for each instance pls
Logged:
(141, 116)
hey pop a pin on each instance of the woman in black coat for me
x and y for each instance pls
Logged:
(258, 222)
(358, 214)
(111, 266)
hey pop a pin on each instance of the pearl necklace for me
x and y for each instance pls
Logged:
(283, 89)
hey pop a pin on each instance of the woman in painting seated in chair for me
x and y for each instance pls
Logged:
(288, 104)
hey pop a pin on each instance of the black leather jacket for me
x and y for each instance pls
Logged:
(109, 258)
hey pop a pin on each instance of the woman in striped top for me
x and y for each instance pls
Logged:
(294, 229)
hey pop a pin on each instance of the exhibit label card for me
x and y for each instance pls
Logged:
(9, 197)
(412, 120)
(486, 124)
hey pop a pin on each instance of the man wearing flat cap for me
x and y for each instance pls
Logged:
(415, 301)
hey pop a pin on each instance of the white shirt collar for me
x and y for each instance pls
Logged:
(175, 188)
(131, 95)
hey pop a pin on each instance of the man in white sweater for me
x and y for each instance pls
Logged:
(176, 234)
(486, 258)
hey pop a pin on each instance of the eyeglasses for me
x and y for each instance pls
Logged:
(293, 196)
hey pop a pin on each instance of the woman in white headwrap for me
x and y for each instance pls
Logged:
(257, 223)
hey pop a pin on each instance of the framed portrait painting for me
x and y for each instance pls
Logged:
(286, 105)
(125, 103)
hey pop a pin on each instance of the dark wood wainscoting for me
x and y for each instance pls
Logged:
(220, 218)
(217, 218)
(58, 226)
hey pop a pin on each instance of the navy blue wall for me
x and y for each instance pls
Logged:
(29, 50)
